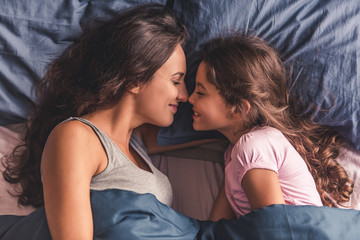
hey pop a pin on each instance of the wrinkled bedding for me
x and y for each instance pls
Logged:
(120, 214)
(320, 43)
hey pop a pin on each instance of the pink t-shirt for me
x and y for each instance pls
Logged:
(267, 148)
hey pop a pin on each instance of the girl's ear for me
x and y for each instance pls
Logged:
(241, 110)
(247, 106)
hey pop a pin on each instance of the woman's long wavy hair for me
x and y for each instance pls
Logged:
(245, 67)
(93, 74)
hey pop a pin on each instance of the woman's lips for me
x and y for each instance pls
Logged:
(173, 107)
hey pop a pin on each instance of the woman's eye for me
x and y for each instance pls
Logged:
(199, 93)
(176, 82)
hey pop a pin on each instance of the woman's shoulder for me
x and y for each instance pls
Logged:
(72, 135)
(73, 142)
(72, 129)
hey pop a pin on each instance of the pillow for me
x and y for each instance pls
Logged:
(319, 41)
(31, 36)
(350, 160)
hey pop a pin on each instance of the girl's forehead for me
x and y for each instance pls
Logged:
(202, 77)
(202, 72)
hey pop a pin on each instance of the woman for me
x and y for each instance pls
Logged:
(118, 76)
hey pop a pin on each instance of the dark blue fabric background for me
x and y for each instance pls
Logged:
(318, 39)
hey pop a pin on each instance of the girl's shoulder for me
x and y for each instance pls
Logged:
(261, 140)
(260, 135)
(262, 146)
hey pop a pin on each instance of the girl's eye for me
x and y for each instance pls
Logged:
(199, 93)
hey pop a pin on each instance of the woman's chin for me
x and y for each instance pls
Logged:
(166, 123)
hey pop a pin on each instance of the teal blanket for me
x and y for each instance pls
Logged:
(120, 214)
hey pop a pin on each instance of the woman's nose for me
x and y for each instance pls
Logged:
(183, 95)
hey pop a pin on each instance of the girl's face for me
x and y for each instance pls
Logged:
(158, 100)
(210, 110)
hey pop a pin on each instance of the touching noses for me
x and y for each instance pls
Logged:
(183, 95)
(191, 99)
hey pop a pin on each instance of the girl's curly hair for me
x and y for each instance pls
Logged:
(246, 67)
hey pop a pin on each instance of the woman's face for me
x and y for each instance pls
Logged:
(210, 110)
(158, 100)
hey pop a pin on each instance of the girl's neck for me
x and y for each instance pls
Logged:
(234, 134)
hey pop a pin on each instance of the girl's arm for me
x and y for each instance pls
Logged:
(222, 208)
(70, 159)
(262, 188)
(148, 134)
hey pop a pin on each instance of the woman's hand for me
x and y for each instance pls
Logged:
(222, 208)
(148, 134)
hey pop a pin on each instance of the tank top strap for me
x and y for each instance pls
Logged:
(104, 139)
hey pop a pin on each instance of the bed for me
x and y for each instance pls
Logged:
(320, 44)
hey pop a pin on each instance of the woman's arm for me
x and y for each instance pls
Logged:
(70, 159)
(262, 188)
(148, 133)
(222, 208)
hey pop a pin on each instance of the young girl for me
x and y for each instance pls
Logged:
(276, 157)
(118, 76)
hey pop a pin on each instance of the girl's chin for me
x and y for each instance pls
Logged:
(198, 128)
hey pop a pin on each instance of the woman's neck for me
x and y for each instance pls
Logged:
(117, 122)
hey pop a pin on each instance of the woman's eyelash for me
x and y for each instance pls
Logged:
(199, 93)
(176, 82)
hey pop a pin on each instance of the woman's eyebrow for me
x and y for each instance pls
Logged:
(179, 73)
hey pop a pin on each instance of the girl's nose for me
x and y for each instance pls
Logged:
(191, 99)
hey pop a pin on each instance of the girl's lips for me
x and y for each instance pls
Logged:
(196, 115)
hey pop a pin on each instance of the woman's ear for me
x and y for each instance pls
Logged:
(134, 90)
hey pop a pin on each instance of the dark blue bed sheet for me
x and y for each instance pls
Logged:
(120, 214)
(318, 39)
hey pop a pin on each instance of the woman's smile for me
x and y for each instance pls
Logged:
(173, 107)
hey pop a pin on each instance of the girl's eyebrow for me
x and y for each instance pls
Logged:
(200, 85)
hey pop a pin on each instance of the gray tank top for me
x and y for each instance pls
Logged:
(122, 173)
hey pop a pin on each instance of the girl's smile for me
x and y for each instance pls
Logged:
(210, 110)
(196, 115)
